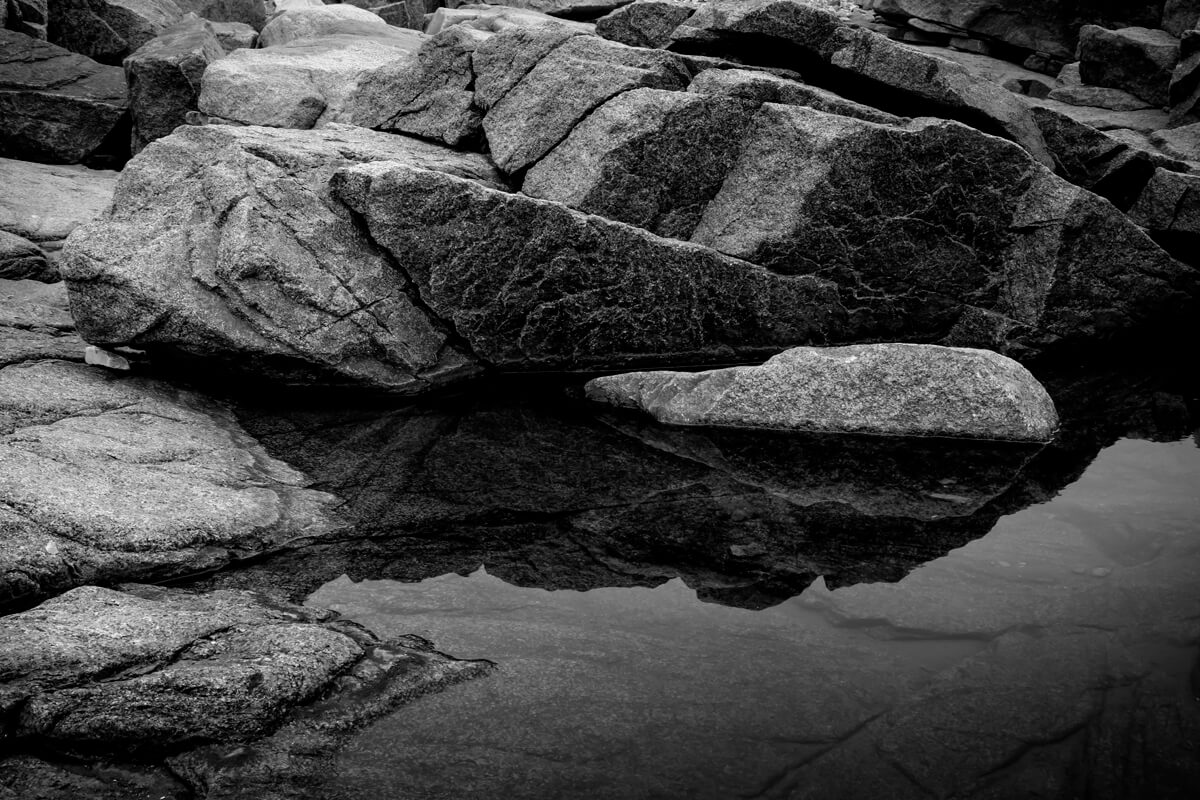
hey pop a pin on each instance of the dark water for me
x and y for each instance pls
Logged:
(691, 613)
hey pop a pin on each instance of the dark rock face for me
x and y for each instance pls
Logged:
(225, 240)
(527, 284)
(25, 16)
(1183, 93)
(1028, 259)
(763, 87)
(649, 157)
(250, 12)
(21, 259)
(109, 30)
(859, 63)
(1169, 209)
(1137, 60)
(645, 23)
(55, 105)
(164, 78)
(194, 677)
(107, 479)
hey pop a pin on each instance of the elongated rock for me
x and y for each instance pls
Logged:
(895, 389)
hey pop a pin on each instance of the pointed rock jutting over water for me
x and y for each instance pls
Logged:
(895, 389)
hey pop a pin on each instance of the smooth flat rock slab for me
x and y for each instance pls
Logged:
(893, 389)
(45, 202)
(224, 240)
(105, 478)
(55, 105)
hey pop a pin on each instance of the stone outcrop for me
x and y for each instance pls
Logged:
(763, 87)
(164, 77)
(169, 669)
(645, 23)
(55, 105)
(858, 63)
(649, 157)
(312, 23)
(565, 86)
(35, 323)
(893, 389)
(79, 445)
(1137, 60)
(310, 81)
(109, 30)
(247, 209)
(1034, 258)
(234, 35)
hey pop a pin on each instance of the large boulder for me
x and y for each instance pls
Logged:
(893, 389)
(107, 478)
(55, 105)
(1138, 60)
(645, 23)
(857, 63)
(939, 230)
(308, 82)
(311, 23)
(165, 669)
(164, 77)
(649, 157)
(566, 85)
(224, 240)
(108, 30)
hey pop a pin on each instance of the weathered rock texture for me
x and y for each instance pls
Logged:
(999, 249)
(858, 63)
(106, 479)
(312, 23)
(167, 669)
(25, 16)
(645, 23)
(45, 202)
(108, 30)
(249, 12)
(895, 389)
(225, 240)
(55, 105)
(1137, 60)
(309, 81)
(21, 258)
(763, 87)
(35, 323)
(565, 86)
(1183, 92)
(164, 78)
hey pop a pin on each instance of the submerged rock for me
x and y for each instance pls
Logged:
(895, 389)
(105, 479)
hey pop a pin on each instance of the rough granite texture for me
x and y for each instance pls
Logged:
(225, 240)
(45, 202)
(105, 478)
(35, 323)
(894, 389)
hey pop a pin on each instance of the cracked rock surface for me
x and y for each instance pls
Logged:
(105, 478)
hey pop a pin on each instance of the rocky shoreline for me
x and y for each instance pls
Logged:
(241, 206)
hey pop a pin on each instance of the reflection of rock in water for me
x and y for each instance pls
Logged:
(545, 494)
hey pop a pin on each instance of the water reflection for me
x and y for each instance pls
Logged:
(551, 493)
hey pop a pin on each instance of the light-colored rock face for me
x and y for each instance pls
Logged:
(230, 243)
(45, 202)
(310, 23)
(565, 85)
(107, 478)
(645, 23)
(895, 389)
(308, 82)
(55, 105)
(144, 664)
